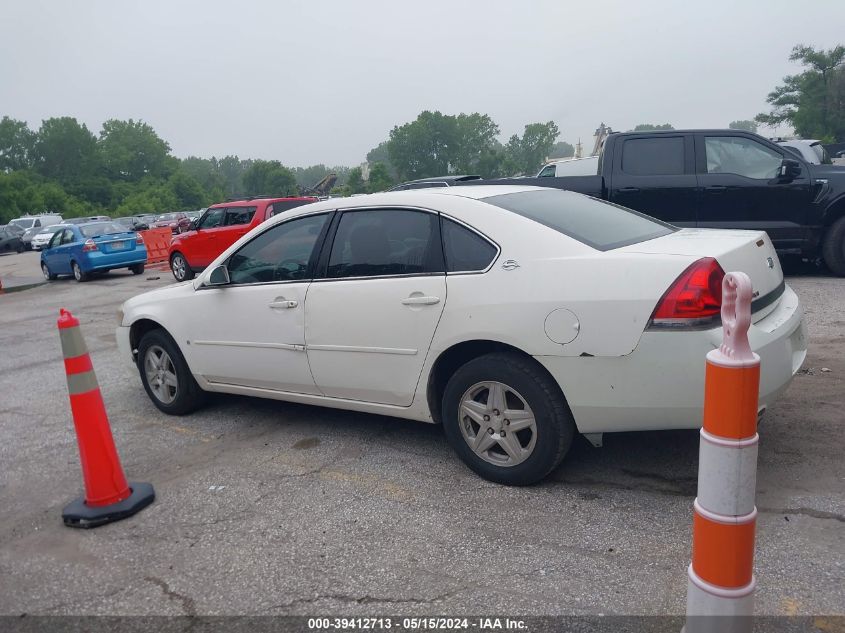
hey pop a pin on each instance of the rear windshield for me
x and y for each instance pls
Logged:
(102, 228)
(596, 223)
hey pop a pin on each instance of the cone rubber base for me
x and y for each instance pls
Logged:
(77, 514)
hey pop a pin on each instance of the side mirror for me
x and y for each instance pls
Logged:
(219, 276)
(790, 169)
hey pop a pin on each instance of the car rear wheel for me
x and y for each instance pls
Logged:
(180, 268)
(165, 374)
(137, 269)
(833, 248)
(507, 419)
(20, 249)
(46, 271)
(78, 273)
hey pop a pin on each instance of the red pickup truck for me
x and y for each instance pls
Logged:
(220, 227)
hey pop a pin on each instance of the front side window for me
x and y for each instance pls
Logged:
(212, 218)
(282, 253)
(547, 172)
(380, 242)
(239, 215)
(662, 156)
(465, 250)
(741, 156)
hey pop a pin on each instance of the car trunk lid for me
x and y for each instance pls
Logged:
(116, 242)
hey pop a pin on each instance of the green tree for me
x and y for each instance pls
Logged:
(748, 126)
(355, 181)
(269, 177)
(189, 193)
(813, 101)
(380, 154)
(150, 197)
(131, 150)
(475, 135)
(425, 147)
(232, 169)
(16, 145)
(651, 127)
(529, 152)
(562, 149)
(65, 150)
(380, 179)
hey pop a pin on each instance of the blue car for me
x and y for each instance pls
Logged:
(83, 249)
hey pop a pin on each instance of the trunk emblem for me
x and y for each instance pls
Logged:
(770, 262)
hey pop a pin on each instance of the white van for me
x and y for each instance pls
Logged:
(37, 221)
(588, 166)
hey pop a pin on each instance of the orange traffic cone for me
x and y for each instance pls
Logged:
(108, 496)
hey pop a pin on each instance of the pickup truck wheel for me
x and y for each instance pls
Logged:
(165, 374)
(833, 248)
(507, 419)
(180, 268)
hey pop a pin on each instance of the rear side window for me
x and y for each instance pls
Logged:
(653, 156)
(239, 215)
(465, 250)
(386, 242)
(596, 223)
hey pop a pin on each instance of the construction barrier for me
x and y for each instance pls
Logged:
(108, 496)
(157, 242)
(720, 578)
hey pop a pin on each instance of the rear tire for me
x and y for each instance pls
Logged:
(78, 273)
(180, 268)
(833, 248)
(165, 374)
(137, 269)
(530, 396)
(20, 249)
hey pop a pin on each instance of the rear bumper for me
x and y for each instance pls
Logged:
(660, 385)
(106, 261)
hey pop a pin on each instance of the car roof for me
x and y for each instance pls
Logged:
(248, 202)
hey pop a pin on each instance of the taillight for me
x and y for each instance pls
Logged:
(695, 298)
(139, 239)
(89, 246)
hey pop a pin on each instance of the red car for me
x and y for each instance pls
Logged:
(220, 227)
(177, 222)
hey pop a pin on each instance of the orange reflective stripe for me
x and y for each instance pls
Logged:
(78, 364)
(723, 553)
(731, 397)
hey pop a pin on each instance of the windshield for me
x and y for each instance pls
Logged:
(102, 228)
(596, 223)
(24, 223)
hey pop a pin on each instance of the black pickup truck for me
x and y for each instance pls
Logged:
(721, 179)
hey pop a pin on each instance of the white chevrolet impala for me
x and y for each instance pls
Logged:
(514, 316)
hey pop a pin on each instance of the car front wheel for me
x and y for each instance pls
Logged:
(833, 248)
(46, 271)
(507, 419)
(180, 268)
(165, 374)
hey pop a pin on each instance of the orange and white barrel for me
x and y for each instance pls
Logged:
(721, 576)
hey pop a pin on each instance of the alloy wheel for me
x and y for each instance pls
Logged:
(161, 374)
(179, 266)
(497, 423)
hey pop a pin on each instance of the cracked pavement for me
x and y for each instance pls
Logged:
(271, 508)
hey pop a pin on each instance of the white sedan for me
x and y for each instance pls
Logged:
(513, 315)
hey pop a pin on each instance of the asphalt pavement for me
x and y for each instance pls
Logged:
(271, 508)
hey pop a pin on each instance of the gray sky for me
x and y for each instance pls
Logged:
(324, 81)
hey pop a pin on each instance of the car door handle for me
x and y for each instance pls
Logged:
(629, 190)
(282, 304)
(717, 189)
(420, 301)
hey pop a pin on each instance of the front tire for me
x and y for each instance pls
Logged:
(165, 374)
(507, 419)
(833, 248)
(137, 269)
(47, 274)
(180, 268)
(78, 273)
